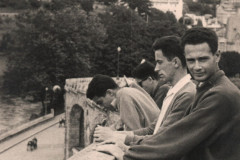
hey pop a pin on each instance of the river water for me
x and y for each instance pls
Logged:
(15, 111)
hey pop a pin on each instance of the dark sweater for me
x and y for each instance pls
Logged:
(160, 93)
(210, 129)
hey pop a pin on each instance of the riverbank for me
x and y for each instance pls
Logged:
(15, 111)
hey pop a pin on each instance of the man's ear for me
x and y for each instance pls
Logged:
(217, 56)
(176, 62)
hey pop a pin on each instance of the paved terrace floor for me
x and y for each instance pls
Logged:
(50, 143)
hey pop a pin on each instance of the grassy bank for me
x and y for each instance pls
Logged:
(15, 111)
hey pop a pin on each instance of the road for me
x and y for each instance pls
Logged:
(50, 145)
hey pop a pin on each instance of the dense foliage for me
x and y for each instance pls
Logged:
(48, 47)
(61, 40)
(20, 4)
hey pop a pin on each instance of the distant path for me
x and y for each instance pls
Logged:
(50, 143)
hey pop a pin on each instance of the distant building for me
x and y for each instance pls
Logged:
(229, 39)
(226, 9)
(174, 6)
(206, 21)
(228, 14)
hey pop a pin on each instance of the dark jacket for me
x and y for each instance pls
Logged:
(160, 93)
(209, 131)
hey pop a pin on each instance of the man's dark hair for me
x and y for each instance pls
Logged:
(198, 35)
(99, 85)
(144, 70)
(171, 47)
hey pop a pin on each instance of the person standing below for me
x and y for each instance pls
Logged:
(147, 78)
(210, 129)
(171, 67)
(57, 100)
(136, 109)
(46, 99)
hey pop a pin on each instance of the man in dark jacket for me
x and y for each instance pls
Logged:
(136, 109)
(210, 129)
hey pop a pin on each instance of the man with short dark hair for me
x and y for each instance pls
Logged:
(210, 129)
(147, 78)
(136, 109)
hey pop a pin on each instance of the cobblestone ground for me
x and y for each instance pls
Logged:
(50, 147)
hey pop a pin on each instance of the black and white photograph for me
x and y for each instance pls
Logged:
(119, 79)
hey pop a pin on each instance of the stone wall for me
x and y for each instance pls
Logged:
(83, 115)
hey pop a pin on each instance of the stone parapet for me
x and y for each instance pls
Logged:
(89, 153)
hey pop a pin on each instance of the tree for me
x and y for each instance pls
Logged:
(163, 24)
(229, 63)
(50, 46)
(21, 4)
(125, 28)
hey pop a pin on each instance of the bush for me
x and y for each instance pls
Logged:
(229, 63)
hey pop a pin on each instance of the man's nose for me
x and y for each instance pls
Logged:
(157, 68)
(197, 66)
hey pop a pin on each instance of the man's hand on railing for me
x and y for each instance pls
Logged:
(113, 147)
(105, 133)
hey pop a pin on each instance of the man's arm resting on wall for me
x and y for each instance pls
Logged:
(180, 138)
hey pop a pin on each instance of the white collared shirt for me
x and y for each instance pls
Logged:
(169, 97)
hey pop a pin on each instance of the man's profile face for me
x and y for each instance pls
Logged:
(164, 67)
(201, 62)
(104, 100)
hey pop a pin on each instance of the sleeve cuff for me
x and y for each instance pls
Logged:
(128, 139)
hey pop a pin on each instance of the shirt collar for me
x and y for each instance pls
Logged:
(114, 103)
(184, 80)
(216, 76)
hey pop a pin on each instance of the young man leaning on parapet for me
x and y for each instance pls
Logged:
(137, 110)
(210, 128)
